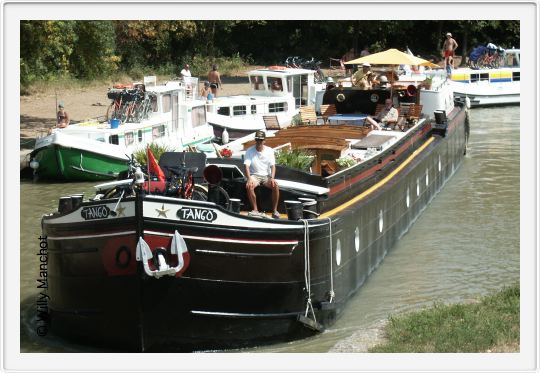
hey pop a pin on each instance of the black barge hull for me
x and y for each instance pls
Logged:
(245, 280)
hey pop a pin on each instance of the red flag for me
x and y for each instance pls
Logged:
(153, 166)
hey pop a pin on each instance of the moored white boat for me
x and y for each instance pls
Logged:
(275, 91)
(169, 114)
(489, 86)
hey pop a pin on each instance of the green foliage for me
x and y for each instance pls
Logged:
(157, 150)
(296, 120)
(93, 49)
(345, 162)
(295, 158)
(457, 328)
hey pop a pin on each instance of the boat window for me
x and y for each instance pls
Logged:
(257, 83)
(289, 83)
(166, 100)
(129, 138)
(153, 103)
(299, 88)
(515, 76)
(253, 109)
(239, 110)
(198, 116)
(274, 84)
(479, 77)
(276, 107)
(224, 110)
(113, 139)
(139, 135)
(158, 131)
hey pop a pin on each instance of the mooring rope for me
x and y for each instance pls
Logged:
(307, 271)
(332, 294)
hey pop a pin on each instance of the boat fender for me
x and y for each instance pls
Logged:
(276, 67)
(120, 254)
(468, 102)
(225, 136)
(311, 324)
(159, 258)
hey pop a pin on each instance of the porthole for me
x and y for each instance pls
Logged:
(427, 177)
(357, 239)
(418, 187)
(381, 221)
(408, 198)
(439, 163)
(338, 252)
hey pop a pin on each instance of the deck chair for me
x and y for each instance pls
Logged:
(327, 111)
(308, 115)
(410, 113)
(271, 122)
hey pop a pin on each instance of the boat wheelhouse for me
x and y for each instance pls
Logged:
(155, 272)
(167, 114)
(274, 91)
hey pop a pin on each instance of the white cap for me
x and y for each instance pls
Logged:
(384, 79)
(448, 34)
(366, 64)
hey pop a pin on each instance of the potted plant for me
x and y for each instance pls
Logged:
(428, 82)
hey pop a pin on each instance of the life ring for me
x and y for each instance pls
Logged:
(411, 90)
(340, 97)
(122, 263)
(276, 67)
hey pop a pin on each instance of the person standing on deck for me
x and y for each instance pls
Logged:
(260, 165)
(215, 80)
(186, 72)
(449, 50)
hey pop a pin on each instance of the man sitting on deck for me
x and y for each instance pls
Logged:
(387, 116)
(260, 164)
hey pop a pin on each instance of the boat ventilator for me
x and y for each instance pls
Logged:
(144, 254)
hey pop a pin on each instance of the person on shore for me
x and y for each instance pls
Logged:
(205, 90)
(215, 80)
(365, 52)
(62, 117)
(363, 78)
(186, 72)
(260, 165)
(348, 56)
(387, 116)
(449, 49)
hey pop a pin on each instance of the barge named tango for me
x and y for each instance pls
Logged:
(156, 272)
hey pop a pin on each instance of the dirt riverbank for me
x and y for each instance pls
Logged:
(38, 110)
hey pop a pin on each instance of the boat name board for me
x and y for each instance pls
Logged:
(95, 212)
(196, 214)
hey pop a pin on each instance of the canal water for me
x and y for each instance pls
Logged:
(464, 245)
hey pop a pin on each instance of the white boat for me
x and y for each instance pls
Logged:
(169, 115)
(489, 86)
(277, 91)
